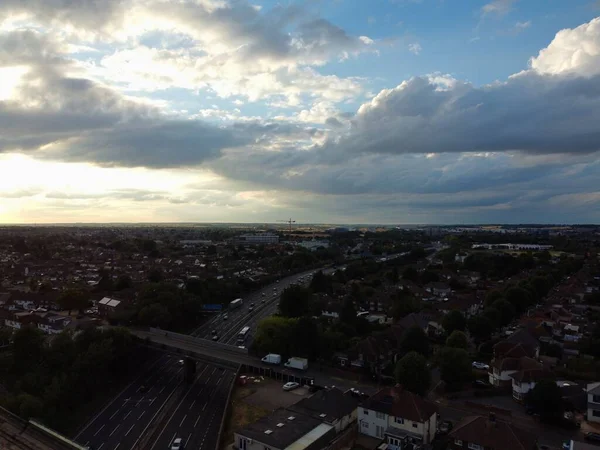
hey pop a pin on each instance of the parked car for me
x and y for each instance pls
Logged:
(480, 384)
(176, 445)
(290, 386)
(479, 365)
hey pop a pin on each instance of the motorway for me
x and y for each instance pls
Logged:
(197, 416)
(126, 420)
(264, 305)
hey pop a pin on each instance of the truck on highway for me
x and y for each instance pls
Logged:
(297, 363)
(236, 303)
(272, 358)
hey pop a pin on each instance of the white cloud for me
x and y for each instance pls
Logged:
(572, 51)
(415, 48)
(497, 7)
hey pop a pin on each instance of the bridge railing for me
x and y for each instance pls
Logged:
(200, 341)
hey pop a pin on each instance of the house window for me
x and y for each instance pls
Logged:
(267, 448)
(379, 431)
(596, 398)
(399, 420)
(366, 412)
(415, 424)
(457, 442)
(475, 446)
(380, 415)
(365, 424)
(595, 412)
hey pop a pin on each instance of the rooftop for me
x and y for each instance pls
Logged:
(398, 402)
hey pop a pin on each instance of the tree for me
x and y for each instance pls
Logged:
(155, 276)
(412, 373)
(123, 282)
(457, 339)
(29, 406)
(546, 399)
(455, 366)
(403, 304)
(506, 310)
(414, 340)
(348, 312)
(72, 299)
(411, 274)
(28, 348)
(454, 320)
(320, 282)
(295, 301)
(519, 298)
(491, 297)
(479, 327)
(154, 315)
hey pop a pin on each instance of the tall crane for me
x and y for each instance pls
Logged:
(289, 221)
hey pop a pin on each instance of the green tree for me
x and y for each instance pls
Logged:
(506, 310)
(479, 327)
(546, 399)
(411, 274)
(414, 340)
(155, 276)
(412, 373)
(154, 315)
(403, 304)
(72, 299)
(491, 297)
(29, 406)
(457, 339)
(28, 349)
(320, 282)
(454, 320)
(274, 334)
(455, 366)
(123, 282)
(519, 298)
(295, 301)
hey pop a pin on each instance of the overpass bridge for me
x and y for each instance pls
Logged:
(238, 358)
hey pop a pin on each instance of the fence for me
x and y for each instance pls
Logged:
(227, 411)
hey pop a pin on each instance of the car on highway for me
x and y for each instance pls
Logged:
(214, 332)
(176, 445)
(290, 386)
(252, 305)
(263, 294)
(263, 300)
(180, 362)
(479, 365)
(251, 308)
(215, 338)
(226, 316)
(143, 389)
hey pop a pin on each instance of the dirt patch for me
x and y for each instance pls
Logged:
(260, 397)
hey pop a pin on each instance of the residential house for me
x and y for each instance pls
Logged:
(108, 305)
(439, 289)
(331, 406)
(489, 433)
(525, 380)
(284, 429)
(593, 402)
(398, 417)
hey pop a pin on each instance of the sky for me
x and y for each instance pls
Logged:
(332, 111)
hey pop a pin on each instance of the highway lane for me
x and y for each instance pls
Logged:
(126, 417)
(197, 416)
(227, 330)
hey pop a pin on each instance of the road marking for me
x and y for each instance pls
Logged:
(129, 431)
(173, 438)
(196, 423)
(101, 445)
(117, 446)
(127, 415)
(141, 415)
(113, 431)
(187, 440)
(99, 430)
(204, 407)
(181, 423)
(161, 391)
(192, 405)
(114, 414)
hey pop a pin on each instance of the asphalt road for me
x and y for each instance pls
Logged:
(264, 305)
(197, 416)
(125, 419)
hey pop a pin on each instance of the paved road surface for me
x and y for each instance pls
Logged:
(197, 416)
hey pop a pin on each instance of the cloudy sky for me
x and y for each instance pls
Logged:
(337, 111)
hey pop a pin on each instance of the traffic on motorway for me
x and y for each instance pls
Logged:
(225, 327)
(125, 422)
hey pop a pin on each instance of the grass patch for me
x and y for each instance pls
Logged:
(242, 413)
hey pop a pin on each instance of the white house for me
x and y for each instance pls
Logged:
(331, 406)
(524, 380)
(593, 402)
(398, 417)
